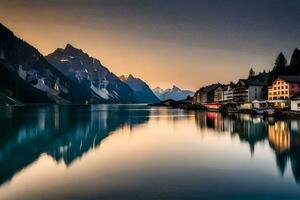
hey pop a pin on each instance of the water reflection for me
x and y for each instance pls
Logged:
(161, 149)
(283, 136)
(65, 133)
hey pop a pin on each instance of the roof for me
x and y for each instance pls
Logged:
(291, 79)
(225, 87)
(252, 82)
(210, 88)
(296, 97)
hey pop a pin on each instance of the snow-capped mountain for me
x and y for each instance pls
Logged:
(90, 73)
(141, 90)
(27, 76)
(174, 93)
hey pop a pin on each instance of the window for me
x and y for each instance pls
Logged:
(286, 87)
(282, 92)
(282, 87)
(293, 92)
(286, 92)
(274, 93)
(298, 105)
(293, 86)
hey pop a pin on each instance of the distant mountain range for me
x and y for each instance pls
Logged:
(66, 76)
(174, 93)
(142, 92)
(91, 74)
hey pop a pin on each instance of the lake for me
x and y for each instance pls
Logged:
(140, 152)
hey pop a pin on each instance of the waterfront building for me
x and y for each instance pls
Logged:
(228, 92)
(206, 95)
(295, 102)
(282, 89)
(248, 90)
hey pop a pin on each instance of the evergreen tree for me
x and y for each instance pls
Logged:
(295, 59)
(280, 63)
(279, 68)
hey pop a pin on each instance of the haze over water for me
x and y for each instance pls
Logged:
(125, 152)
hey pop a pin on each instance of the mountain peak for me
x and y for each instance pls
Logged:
(175, 88)
(125, 77)
(70, 47)
(174, 93)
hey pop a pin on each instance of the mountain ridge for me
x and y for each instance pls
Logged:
(140, 88)
(174, 93)
(90, 73)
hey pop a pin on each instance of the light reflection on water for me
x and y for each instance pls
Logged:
(119, 151)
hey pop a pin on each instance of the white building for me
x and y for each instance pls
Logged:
(247, 90)
(228, 93)
(295, 102)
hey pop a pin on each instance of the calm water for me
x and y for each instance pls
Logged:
(127, 152)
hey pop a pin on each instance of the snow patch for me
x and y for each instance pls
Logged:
(42, 86)
(115, 94)
(101, 92)
(64, 60)
(22, 73)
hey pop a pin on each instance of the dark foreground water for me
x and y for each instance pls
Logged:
(137, 152)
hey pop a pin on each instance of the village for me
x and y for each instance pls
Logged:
(252, 95)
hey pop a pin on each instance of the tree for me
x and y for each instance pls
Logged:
(295, 59)
(279, 68)
(280, 63)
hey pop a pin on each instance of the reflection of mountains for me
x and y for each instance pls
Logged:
(65, 133)
(283, 136)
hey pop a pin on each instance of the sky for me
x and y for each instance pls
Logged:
(187, 43)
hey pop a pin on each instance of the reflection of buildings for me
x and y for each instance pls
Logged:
(283, 136)
(65, 133)
(251, 130)
(279, 136)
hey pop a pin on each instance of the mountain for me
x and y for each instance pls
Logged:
(174, 93)
(91, 74)
(27, 76)
(141, 90)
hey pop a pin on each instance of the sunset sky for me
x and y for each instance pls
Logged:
(183, 42)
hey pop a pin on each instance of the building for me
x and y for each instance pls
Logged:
(248, 90)
(218, 94)
(295, 102)
(228, 92)
(282, 89)
(206, 95)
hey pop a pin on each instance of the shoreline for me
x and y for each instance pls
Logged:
(278, 114)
